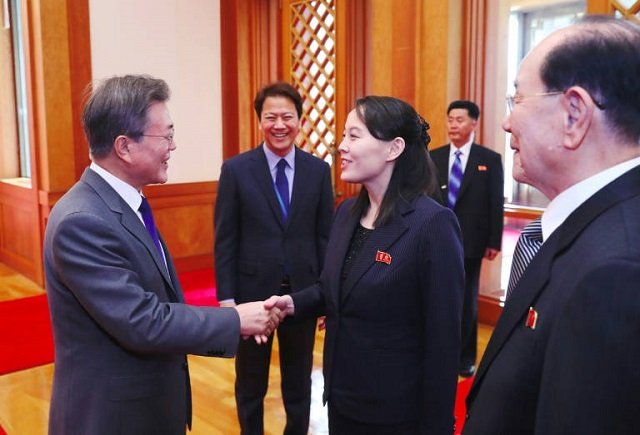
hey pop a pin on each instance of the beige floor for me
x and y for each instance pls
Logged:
(25, 394)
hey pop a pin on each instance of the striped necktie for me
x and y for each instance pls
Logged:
(454, 180)
(528, 244)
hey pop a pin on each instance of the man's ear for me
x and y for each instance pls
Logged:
(396, 148)
(121, 147)
(579, 108)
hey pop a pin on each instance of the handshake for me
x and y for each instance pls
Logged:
(259, 319)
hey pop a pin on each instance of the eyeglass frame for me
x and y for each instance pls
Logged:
(511, 99)
(169, 137)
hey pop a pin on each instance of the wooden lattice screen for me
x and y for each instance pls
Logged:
(627, 9)
(313, 66)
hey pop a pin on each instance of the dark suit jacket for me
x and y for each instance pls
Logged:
(480, 203)
(120, 328)
(578, 371)
(253, 243)
(393, 330)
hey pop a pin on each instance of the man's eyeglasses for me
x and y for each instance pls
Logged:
(512, 100)
(168, 137)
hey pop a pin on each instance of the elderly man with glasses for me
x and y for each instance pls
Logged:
(565, 354)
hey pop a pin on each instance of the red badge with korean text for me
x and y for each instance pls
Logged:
(383, 257)
(532, 318)
(482, 168)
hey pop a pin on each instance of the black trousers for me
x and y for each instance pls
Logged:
(295, 341)
(469, 331)
(340, 424)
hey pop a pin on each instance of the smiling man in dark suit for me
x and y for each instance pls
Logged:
(120, 326)
(272, 221)
(564, 357)
(471, 180)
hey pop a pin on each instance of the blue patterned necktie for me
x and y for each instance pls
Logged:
(455, 179)
(147, 217)
(282, 188)
(528, 244)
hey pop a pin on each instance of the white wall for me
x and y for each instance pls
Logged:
(178, 41)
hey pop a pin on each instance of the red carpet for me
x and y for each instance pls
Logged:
(25, 328)
(199, 287)
(25, 334)
(461, 408)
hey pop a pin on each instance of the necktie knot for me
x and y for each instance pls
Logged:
(144, 208)
(528, 245)
(282, 187)
(533, 231)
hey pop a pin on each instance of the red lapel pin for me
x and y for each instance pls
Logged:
(482, 168)
(532, 318)
(383, 257)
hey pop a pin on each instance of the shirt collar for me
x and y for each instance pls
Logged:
(466, 148)
(128, 193)
(568, 201)
(273, 158)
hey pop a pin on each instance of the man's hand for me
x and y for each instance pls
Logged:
(257, 320)
(283, 303)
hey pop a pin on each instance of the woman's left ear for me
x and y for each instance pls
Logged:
(396, 148)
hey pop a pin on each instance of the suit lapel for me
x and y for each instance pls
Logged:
(130, 222)
(298, 193)
(381, 239)
(262, 176)
(524, 295)
(537, 273)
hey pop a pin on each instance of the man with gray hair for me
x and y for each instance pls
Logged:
(120, 325)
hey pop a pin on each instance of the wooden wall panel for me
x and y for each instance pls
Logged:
(250, 47)
(352, 65)
(410, 54)
(20, 242)
(53, 120)
(380, 33)
(437, 55)
(474, 55)
(58, 63)
(599, 7)
(184, 215)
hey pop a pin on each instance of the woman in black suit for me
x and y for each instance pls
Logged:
(392, 283)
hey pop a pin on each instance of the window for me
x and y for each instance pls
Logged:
(14, 131)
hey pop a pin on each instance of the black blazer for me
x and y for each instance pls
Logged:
(578, 370)
(480, 203)
(393, 329)
(253, 242)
